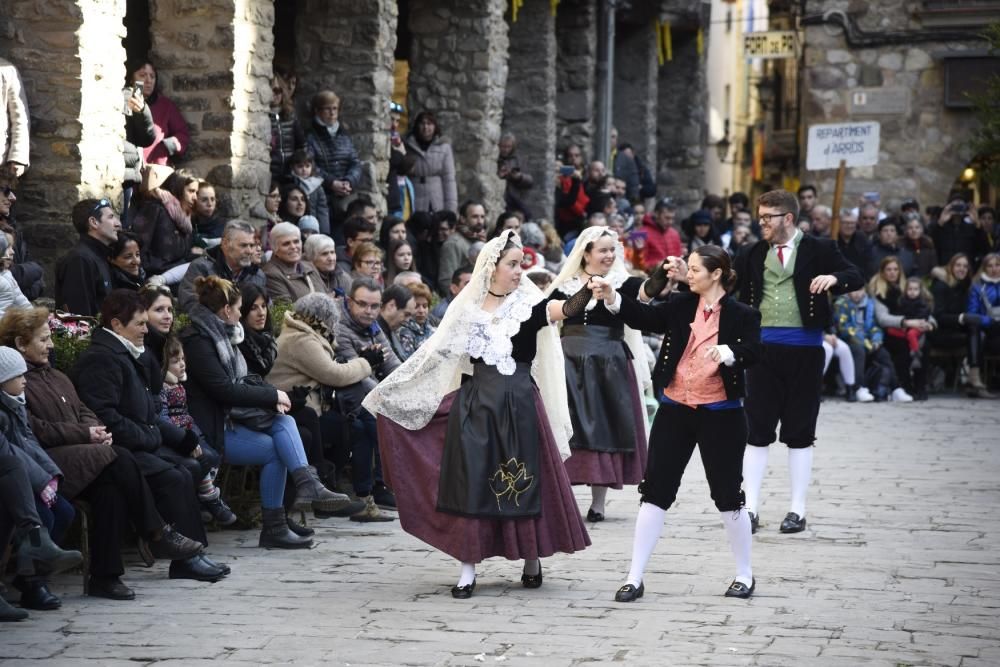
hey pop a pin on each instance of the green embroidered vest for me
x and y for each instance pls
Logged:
(778, 307)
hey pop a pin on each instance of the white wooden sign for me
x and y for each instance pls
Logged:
(855, 143)
(769, 44)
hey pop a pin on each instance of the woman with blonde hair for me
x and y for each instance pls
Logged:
(888, 287)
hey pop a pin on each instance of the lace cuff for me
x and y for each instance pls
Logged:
(576, 304)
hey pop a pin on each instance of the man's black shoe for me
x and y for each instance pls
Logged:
(793, 523)
(111, 588)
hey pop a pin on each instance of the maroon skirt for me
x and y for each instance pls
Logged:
(411, 463)
(614, 469)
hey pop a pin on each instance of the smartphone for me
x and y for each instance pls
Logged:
(566, 170)
(871, 196)
(137, 89)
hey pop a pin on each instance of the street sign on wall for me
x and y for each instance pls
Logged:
(855, 143)
(769, 44)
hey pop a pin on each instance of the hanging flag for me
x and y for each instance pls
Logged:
(553, 4)
(515, 7)
(664, 43)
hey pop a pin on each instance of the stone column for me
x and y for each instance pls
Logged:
(458, 69)
(636, 89)
(347, 46)
(576, 36)
(222, 89)
(71, 63)
(530, 105)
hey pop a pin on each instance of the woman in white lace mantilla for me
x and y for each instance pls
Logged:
(474, 426)
(606, 373)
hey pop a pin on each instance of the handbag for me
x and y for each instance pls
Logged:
(255, 419)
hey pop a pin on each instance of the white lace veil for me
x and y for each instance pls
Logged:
(413, 392)
(568, 282)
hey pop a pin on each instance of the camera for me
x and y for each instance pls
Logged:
(960, 208)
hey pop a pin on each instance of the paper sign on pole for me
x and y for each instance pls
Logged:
(855, 143)
(769, 44)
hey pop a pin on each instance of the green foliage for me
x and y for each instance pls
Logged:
(67, 349)
(278, 310)
(985, 140)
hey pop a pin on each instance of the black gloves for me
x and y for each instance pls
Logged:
(298, 396)
(656, 282)
(576, 304)
(373, 355)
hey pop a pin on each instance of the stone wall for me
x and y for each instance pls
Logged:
(222, 91)
(635, 103)
(576, 39)
(458, 69)
(347, 46)
(922, 144)
(71, 62)
(530, 103)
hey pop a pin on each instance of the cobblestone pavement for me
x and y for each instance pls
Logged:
(899, 566)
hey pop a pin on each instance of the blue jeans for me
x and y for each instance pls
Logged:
(366, 464)
(56, 519)
(278, 450)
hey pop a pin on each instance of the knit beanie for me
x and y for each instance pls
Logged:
(309, 223)
(11, 364)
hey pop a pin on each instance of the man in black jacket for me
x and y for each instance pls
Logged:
(786, 276)
(83, 275)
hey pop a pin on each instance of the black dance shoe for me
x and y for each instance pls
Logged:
(111, 588)
(463, 592)
(629, 593)
(739, 590)
(793, 523)
(754, 523)
(594, 517)
(532, 580)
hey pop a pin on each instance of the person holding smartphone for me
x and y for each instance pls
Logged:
(139, 134)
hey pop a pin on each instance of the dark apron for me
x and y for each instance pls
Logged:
(490, 464)
(598, 374)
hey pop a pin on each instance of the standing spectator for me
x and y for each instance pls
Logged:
(956, 231)
(868, 219)
(984, 306)
(163, 223)
(140, 132)
(401, 196)
(14, 123)
(433, 174)
(700, 230)
(822, 219)
(393, 229)
(169, 129)
(125, 258)
(887, 245)
(807, 200)
(83, 275)
(287, 135)
(626, 169)
(207, 225)
(30, 275)
(418, 328)
(455, 250)
(988, 223)
(919, 245)
(10, 293)
(337, 160)
(517, 183)
(294, 205)
(321, 251)
(357, 230)
(304, 175)
(232, 260)
(571, 196)
(851, 241)
(288, 276)
(269, 211)
(662, 238)
(399, 258)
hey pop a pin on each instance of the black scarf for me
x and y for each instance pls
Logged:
(259, 349)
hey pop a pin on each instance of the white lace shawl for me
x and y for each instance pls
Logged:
(569, 282)
(413, 392)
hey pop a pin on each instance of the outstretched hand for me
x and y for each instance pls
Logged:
(821, 284)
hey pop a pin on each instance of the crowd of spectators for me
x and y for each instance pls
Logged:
(252, 342)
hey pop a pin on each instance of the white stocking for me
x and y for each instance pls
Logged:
(800, 462)
(754, 467)
(468, 574)
(597, 496)
(737, 526)
(648, 525)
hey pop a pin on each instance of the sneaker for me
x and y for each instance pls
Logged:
(384, 498)
(864, 396)
(900, 396)
(218, 511)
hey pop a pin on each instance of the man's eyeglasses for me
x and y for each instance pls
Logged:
(101, 203)
(765, 218)
(370, 307)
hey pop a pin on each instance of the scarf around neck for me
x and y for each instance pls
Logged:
(225, 338)
(181, 219)
(132, 349)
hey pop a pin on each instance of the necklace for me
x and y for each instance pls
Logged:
(499, 296)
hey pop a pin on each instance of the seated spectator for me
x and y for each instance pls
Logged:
(268, 211)
(33, 545)
(366, 262)
(304, 177)
(914, 304)
(308, 225)
(217, 387)
(337, 161)
(869, 216)
(455, 250)
(919, 245)
(289, 278)
(125, 258)
(171, 135)
(459, 279)
(433, 173)
(950, 290)
(357, 230)
(357, 332)
(418, 327)
(163, 223)
(408, 279)
(887, 245)
(321, 251)
(552, 252)
(258, 347)
(741, 235)
(853, 244)
(306, 360)
(957, 232)
(821, 220)
(834, 347)
(887, 288)
(854, 319)
(399, 259)
(231, 260)
(397, 308)
(113, 382)
(984, 307)
(10, 294)
(207, 224)
(662, 239)
(83, 275)
(287, 135)
(105, 475)
(29, 274)
(294, 204)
